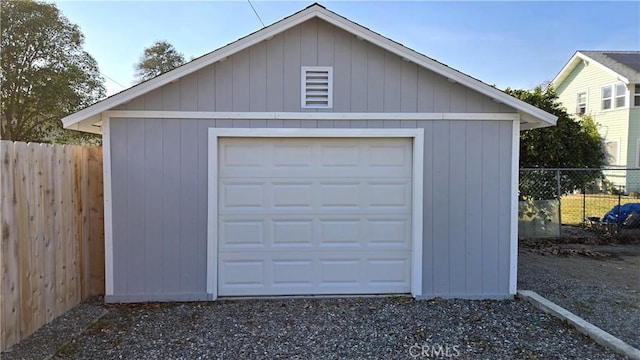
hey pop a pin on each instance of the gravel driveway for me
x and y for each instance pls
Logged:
(327, 328)
(602, 289)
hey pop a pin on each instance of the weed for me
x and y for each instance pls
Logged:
(68, 350)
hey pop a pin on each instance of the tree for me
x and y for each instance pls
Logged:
(158, 59)
(44, 71)
(572, 143)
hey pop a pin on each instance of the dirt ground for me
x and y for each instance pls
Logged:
(589, 256)
(596, 276)
(618, 265)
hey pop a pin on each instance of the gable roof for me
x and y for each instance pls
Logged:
(85, 119)
(625, 65)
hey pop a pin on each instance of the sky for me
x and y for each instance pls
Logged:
(517, 44)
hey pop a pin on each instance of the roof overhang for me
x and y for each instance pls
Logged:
(89, 119)
(576, 59)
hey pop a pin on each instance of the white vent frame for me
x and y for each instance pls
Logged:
(304, 88)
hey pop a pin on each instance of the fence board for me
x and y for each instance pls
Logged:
(38, 225)
(95, 213)
(10, 293)
(52, 238)
(22, 204)
(50, 242)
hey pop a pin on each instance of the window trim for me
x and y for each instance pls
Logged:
(603, 98)
(636, 96)
(616, 95)
(586, 102)
(617, 156)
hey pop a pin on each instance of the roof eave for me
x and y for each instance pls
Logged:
(194, 65)
(574, 61)
(289, 22)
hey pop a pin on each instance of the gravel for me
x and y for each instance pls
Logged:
(356, 327)
(589, 286)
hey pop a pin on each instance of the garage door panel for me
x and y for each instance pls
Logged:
(334, 155)
(389, 233)
(242, 195)
(340, 232)
(388, 270)
(333, 272)
(290, 196)
(317, 216)
(394, 157)
(292, 273)
(292, 156)
(243, 233)
(390, 195)
(242, 273)
(242, 155)
(328, 158)
(292, 233)
(340, 271)
(340, 195)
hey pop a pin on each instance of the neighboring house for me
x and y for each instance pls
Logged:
(313, 156)
(606, 85)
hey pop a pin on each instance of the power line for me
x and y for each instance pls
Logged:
(255, 12)
(117, 83)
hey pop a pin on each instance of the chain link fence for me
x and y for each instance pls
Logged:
(606, 200)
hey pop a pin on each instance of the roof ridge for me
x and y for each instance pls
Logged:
(611, 51)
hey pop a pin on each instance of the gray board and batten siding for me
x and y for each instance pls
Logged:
(159, 166)
(159, 172)
(266, 78)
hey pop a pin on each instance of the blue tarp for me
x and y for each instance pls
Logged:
(620, 213)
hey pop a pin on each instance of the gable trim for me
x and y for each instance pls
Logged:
(575, 60)
(529, 112)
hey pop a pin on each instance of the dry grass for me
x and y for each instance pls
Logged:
(594, 204)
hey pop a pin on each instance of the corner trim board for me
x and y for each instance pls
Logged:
(108, 215)
(513, 241)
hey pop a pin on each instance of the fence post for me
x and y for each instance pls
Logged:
(619, 220)
(584, 206)
(559, 194)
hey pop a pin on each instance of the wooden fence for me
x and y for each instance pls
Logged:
(52, 233)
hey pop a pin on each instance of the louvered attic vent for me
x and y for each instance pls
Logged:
(317, 87)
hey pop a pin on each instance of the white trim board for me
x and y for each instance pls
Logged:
(208, 115)
(417, 217)
(531, 114)
(513, 235)
(575, 60)
(108, 211)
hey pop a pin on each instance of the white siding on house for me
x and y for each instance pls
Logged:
(613, 124)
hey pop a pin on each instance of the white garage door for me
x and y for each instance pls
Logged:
(314, 216)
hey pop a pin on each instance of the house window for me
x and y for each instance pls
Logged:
(612, 152)
(581, 106)
(636, 95)
(317, 87)
(607, 95)
(621, 95)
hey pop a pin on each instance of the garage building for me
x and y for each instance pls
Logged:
(311, 157)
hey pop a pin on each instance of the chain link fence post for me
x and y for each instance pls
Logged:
(559, 194)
